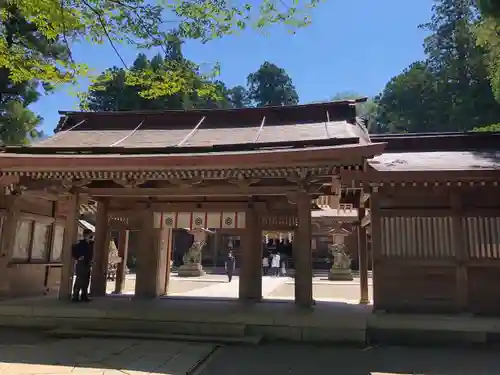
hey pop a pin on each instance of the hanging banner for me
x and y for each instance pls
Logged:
(204, 220)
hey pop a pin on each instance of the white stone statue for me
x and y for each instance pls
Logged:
(192, 259)
(341, 268)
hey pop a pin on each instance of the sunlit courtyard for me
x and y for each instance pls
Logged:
(216, 285)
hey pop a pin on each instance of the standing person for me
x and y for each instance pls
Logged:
(283, 266)
(230, 266)
(265, 265)
(82, 253)
(275, 265)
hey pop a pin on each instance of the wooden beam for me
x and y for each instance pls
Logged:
(193, 192)
(132, 208)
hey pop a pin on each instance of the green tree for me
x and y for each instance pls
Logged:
(459, 66)
(489, 8)
(366, 110)
(408, 102)
(450, 90)
(18, 124)
(113, 92)
(488, 38)
(238, 97)
(141, 23)
(270, 85)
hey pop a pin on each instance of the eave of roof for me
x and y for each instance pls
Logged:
(328, 155)
(429, 142)
(218, 118)
(177, 150)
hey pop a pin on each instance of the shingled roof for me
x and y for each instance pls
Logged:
(330, 124)
(457, 151)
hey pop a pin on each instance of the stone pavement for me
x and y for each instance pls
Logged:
(224, 289)
(304, 360)
(24, 353)
(282, 288)
(99, 356)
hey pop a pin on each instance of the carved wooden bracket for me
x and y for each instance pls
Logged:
(76, 183)
(186, 183)
(306, 182)
(16, 189)
(244, 183)
(129, 182)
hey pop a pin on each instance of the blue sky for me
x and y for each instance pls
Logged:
(352, 45)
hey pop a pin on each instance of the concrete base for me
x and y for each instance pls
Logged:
(340, 274)
(327, 322)
(190, 270)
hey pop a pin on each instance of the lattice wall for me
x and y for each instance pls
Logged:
(482, 237)
(417, 237)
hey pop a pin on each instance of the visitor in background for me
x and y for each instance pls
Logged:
(275, 265)
(82, 253)
(265, 265)
(230, 266)
(283, 266)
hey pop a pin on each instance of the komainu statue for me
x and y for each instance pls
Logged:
(191, 266)
(193, 255)
(341, 268)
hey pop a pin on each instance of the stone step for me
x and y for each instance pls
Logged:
(73, 333)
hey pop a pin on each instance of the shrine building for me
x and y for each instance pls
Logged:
(426, 208)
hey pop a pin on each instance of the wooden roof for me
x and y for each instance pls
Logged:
(322, 134)
(474, 151)
(213, 130)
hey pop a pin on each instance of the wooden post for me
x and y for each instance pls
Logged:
(151, 280)
(101, 251)
(123, 237)
(376, 232)
(168, 249)
(458, 242)
(250, 287)
(70, 236)
(9, 231)
(363, 259)
(302, 253)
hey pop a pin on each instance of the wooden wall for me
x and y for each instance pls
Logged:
(436, 248)
(33, 255)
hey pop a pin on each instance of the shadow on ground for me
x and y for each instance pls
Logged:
(275, 359)
(28, 352)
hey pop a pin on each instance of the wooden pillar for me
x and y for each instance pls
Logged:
(167, 247)
(9, 231)
(101, 251)
(151, 278)
(70, 236)
(250, 287)
(363, 259)
(458, 242)
(123, 237)
(302, 254)
(376, 233)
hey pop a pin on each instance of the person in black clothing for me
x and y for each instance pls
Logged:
(82, 253)
(230, 266)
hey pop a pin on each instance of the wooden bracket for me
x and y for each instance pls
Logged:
(186, 183)
(129, 182)
(244, 183)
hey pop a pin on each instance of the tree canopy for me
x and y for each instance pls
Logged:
(141, 23)
(450, 90)
(269, 85)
